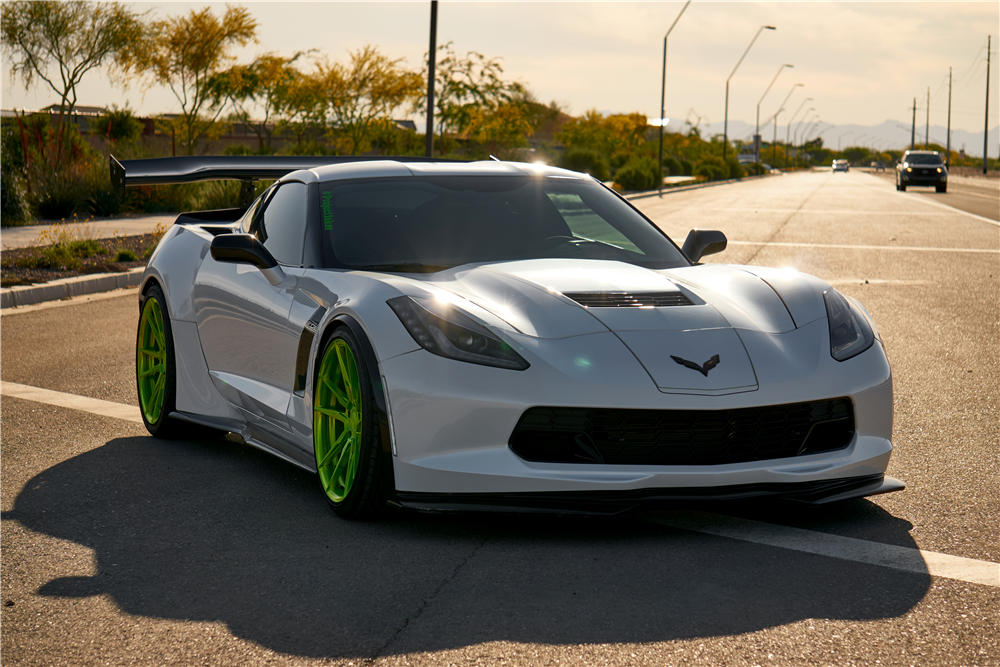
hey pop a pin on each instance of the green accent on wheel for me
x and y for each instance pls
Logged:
(151, 361)
(337, 420)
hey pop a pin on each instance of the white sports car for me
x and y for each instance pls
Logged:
(493, 335)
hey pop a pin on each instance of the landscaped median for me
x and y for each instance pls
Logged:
(66, 288)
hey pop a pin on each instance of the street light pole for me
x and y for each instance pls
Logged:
(663, 91)
(781, 107)
(429, 137)
(725, 124)
(757, 135)
(795, 135)
(788, 129)
(841, 137)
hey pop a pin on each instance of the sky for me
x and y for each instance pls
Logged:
(862, 63)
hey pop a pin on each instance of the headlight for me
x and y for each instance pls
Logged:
(909, 169)
(939, 170)
(850, 334)
(447, 332)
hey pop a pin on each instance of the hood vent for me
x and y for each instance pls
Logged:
(629, 299)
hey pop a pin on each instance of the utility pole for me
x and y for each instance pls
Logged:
(927, 131)
(913, 126)
(429, 137)
(947, 159)
(663, 92)
(986, 131)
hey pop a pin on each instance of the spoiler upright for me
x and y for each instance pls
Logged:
(243, 168)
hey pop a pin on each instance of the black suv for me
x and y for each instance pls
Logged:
(921, 168)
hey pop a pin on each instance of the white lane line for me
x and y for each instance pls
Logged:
(835, 546)
(845, 548)
(63, 400)
(930, 202)
(987, 251)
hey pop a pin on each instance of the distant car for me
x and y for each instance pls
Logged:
(443, 335)
(921, 168)
(841, 165)
(878, 166)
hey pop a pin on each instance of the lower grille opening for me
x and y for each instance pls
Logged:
(682, 437)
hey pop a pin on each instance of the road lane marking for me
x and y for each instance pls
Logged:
(835, 546)
(930, 202)
(63, 400)
(838, 246)
(796, 539)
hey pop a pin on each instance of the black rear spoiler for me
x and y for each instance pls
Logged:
(243, 168)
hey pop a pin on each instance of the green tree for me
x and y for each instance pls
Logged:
(468, 88)
(265, 83)
(355, 102)
(71, 37)
(617, 136)
(502, 130)
(184, 54)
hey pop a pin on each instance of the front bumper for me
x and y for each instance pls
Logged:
(451, 423)
(923, 176)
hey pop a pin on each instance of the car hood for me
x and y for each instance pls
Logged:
(709, 305)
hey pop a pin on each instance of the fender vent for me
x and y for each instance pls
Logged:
(629, 299)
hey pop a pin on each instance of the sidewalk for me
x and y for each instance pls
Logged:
(21, 237)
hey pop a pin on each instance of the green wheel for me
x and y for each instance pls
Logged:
(155, 373)
(345, 429)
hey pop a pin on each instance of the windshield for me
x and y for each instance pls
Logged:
(437, 222)
(920, 158)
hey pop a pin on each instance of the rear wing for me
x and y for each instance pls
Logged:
(243, 168)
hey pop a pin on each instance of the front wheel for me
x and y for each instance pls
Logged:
(345, 430)
(941, 188)
(155, 370)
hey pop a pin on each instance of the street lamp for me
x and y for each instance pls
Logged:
(795, 135)
(841, 137)
(725, 125)
(663, 91)
(781, 107)
(757, 135)
(788, 129)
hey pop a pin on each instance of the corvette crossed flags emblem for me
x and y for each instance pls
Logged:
(709, 365)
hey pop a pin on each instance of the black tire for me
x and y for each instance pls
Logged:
(155, 405)
(902, 188)
(364, 497)
(941, 188)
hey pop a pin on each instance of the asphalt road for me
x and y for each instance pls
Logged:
(121, 549)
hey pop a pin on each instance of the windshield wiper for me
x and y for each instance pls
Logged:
(403, 267)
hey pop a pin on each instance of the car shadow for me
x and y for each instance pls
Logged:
(213, 530)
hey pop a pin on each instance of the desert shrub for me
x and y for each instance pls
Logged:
(14, 208)
(686, 168)
(754, 168)
(126, 255)
(637, 174)
(84, 248)
(586, 160)
(118, 125)
(711, 168)
(671, 167)
(238, 149)
(734, 167)
(311, 147)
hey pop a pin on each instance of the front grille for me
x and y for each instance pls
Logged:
(629, 299)
(682, 437)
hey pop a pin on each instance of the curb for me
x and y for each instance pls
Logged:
(65, 288)
(684, 188)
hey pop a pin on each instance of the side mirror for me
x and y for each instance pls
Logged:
(246, 249)
(702, 242)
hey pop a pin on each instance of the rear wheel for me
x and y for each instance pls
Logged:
(345, 430)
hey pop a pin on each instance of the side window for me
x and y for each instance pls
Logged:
(282, 228)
